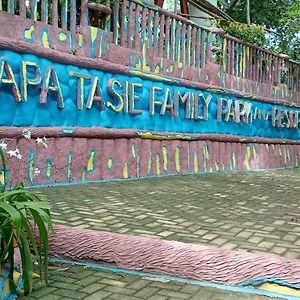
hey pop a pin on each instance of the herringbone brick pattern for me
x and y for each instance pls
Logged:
(254, 211)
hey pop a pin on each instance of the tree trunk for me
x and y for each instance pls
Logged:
(248, 12)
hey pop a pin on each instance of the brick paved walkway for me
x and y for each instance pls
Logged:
(76, 282)
(255, 211)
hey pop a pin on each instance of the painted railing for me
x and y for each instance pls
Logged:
(161, 33)
(170, 36)
(154, 32)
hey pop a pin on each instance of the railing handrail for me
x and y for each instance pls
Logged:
(169, 36)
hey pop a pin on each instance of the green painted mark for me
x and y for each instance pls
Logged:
(31, 166)
(49, 165)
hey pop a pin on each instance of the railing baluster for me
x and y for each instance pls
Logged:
(198, 48)
(11, 6)
(203, 47)
(54, 9)
(64, 14)
(173, 38)
(124, 23)
(188, 41)
(131, 24)
(73, 19)
(22, 7)
(85, 12)
(224, 54)
(144, 35)
(167, 40)
(156, 34)
(150, 29)
(178, 46)
(183, 43)
(137, 38)
(116, 25)
(194, 46)
(34, 9)
(161, 35)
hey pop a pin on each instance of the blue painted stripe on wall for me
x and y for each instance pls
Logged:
(31, 113)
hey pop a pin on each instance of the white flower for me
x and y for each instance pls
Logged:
(27, 134)
(36, 172)
(42, 141)
(3, 145)
(15, 153)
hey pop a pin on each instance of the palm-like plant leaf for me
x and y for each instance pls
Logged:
(18, 208)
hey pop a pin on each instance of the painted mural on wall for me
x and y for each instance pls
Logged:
(159, 122)
(38, 92)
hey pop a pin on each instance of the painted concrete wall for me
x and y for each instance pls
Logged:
(138, 101)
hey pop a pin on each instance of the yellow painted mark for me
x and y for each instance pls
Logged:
(94, 32)
(157, 69)
(280, 152)
(80, 40)
(254, 153)
(2, 178)
(196, 167)
(233, 161)
(149, 164)
(6, 290)
(157, 164)
(285, 155)
(206, 152)
(272, 287)
(177, 159)
(28, 33)
(152, 76)
(165, 157)
(151, 136)
(62, 36)
(288, 154)
(247, 157)
(267, 146)
(125, 170)
(109, 163)
(90, 163)
(133, 150)
(45, 40)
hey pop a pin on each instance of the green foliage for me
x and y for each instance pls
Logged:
(252, 34)
(19, 210)
(280, 17)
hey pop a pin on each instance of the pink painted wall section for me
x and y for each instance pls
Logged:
(80, 159)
